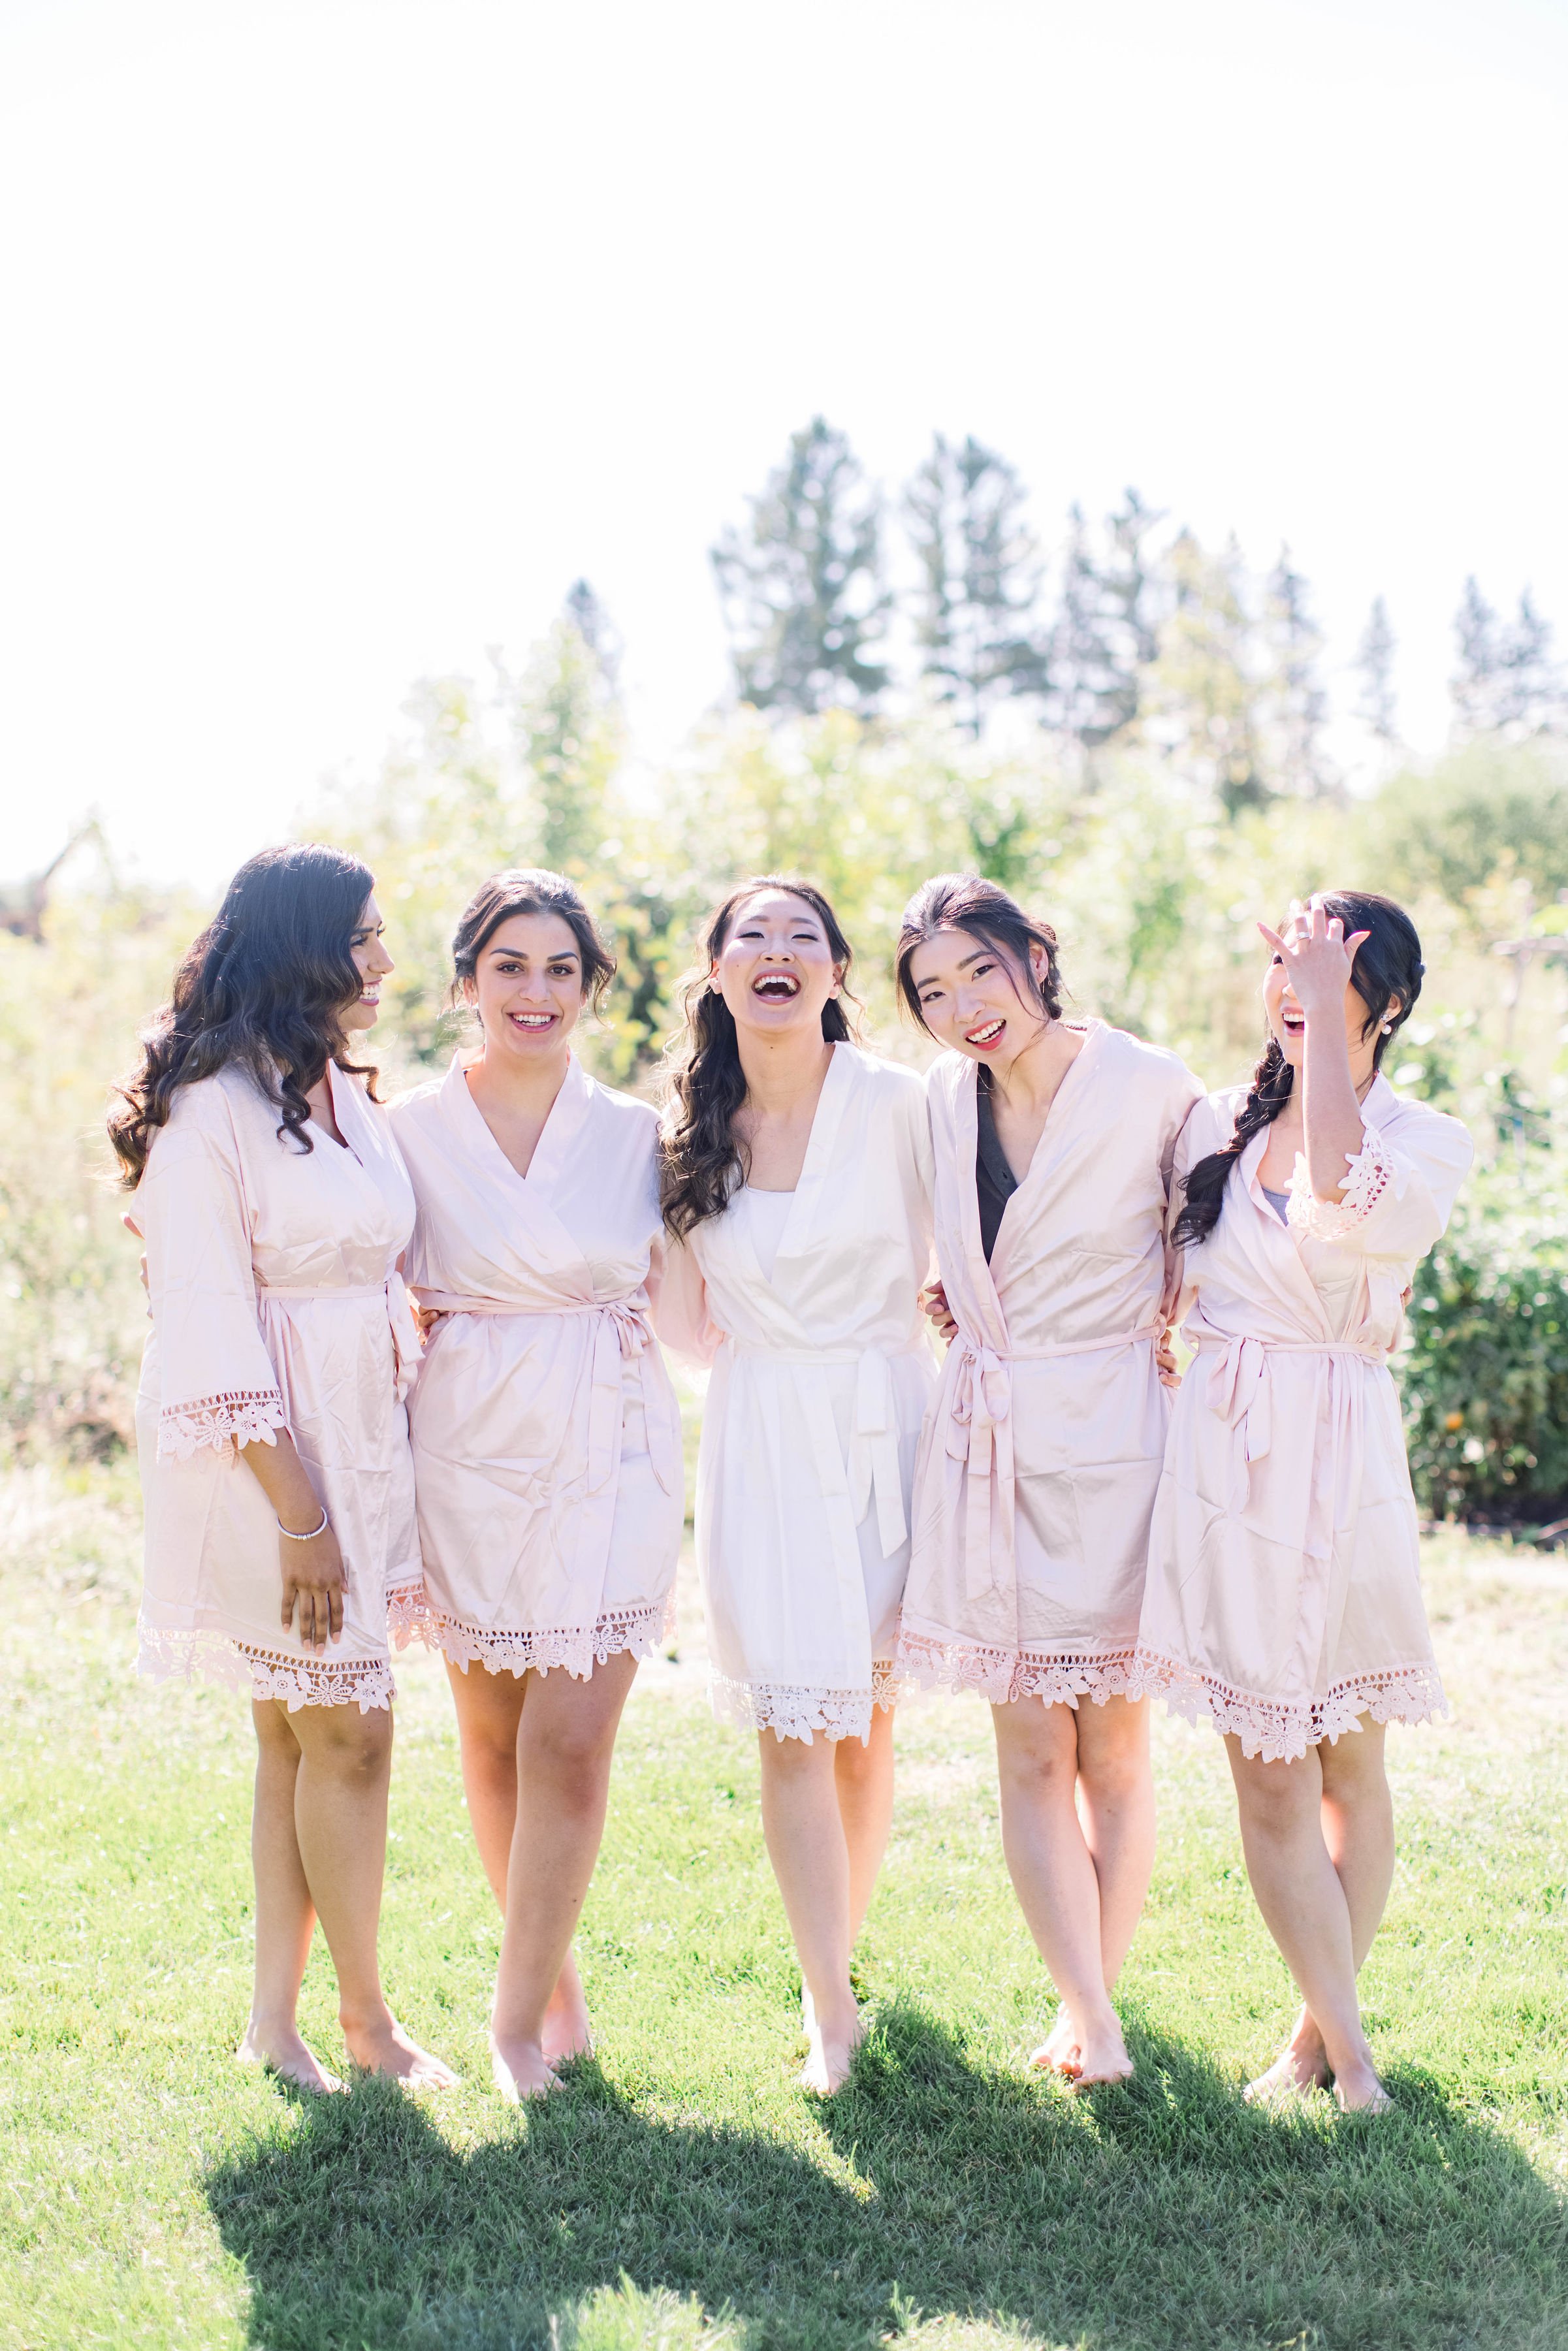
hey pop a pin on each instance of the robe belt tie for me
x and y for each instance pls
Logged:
(623, 1335)
(872, 1469)
(1241, 1391)
(393, 1293)
(980, 1434)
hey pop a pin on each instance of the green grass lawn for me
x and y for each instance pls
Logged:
(682, 2192)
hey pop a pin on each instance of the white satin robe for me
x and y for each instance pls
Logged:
(546, 1437)
(1038, 1474)
(822, 1377)
(276, 1303)
(1283, 1596)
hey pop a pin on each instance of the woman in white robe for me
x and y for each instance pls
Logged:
(547, 1438)
(1284, 1596)
(270, 1421)
(796, 1192)
(1053, 1143)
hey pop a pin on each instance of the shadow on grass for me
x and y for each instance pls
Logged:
(1162, 2215)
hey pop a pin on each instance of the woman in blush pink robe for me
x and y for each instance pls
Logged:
(1053, 1143)
(270, 1422)
(1283, 1595)
(547, 1440)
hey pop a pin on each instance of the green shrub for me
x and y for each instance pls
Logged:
(1486, 1377)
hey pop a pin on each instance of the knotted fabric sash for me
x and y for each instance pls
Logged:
(980, 1434)
(1241, 1391)
(623, 1335)
(392, 1294)
(872, 1467)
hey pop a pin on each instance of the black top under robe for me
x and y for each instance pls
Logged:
(994, 1180)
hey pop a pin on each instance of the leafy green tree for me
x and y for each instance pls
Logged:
(1295, 707)
(1206, 685)
(801, 585)
(980, 580)
(1106, 636)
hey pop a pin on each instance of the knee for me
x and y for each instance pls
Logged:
(1041, 1773)
(358, 1746)
(574, 1758)
(1115, 1779)
(1275, 1799)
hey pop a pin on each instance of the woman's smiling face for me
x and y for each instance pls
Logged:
(528, 985)
(1288, 1022)
(372, 963)
(972, 999)
(776, 969)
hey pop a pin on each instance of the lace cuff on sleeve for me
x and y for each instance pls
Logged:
(249, 1416)
(1368, 1176)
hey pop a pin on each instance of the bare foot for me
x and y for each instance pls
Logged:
(1101, 2056)
(1059, 2053)
(384, 2047)
(284, 2055)
(831, 2055)
(567, 2031)
(1299, 2067)
(1358, 2090)
(521, 2069)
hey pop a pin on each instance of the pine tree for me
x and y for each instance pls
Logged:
(1374, 667)
(1506, 681)
(1296, 710)
(1206, 689)
(566, 725)
(801, 585)
(597, 630)
(980, 580)
(1105, 637)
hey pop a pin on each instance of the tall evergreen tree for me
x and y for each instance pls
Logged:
(1374, 667)
(1296, 708)
(566, 725)
(596, 629)
(980, 580)
(1507, 681)
(801, 584)
(1206, 687)
(1105, 635)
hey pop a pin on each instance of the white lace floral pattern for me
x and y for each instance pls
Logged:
(790, 1713)
(167, 1655)
(408, 1613)
(1060, 1676)
(1368, 1176)
(1281, 1729)
(640, 1627)
(244, 1415)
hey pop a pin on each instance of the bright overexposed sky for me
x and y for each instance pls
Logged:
(340, 336)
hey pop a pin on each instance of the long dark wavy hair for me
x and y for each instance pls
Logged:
(265, 986)
(1386, 975)
(530, 890)
(967, 901)
(700, 1162)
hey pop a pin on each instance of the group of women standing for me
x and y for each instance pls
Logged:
(497, 1466)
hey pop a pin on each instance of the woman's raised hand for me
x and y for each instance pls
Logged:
(1316, 954)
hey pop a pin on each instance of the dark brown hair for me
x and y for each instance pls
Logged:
(530, 890)
(1386, 975)
(700, 1163)
(265, 985)
(967, 901)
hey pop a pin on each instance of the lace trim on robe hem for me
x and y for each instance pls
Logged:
(408, 1613)
(1060, 1676)
(1369, 1175)
(792, 1712)
(202, 1655)
(640, 1626)
(1281, 1729)
(247, 1415)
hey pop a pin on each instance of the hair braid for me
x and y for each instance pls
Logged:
(1205, 1190)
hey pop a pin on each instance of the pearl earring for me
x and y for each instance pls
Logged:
(1388, 1028)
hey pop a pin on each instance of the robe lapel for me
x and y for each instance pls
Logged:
(815, 1188)
(550, 1248)
(1062, 1124)
(1269, 1245)
(961, 1105)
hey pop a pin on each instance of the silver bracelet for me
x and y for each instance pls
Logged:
(313, 1533)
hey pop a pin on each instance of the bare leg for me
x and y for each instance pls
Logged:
(489, 1713)
(341, 1822)
(1116, 1812)
(863, 1775)
(804, 1828)
(284, 1914)
(1357, 1818)
(1053, 1873)
(565, 1742)
(1305, 1907)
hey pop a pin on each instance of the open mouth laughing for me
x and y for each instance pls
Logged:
(775, 986)
(532, 1024)
(1292, 1020)
(986, 1035)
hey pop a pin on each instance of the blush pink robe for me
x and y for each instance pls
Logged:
(821, 1376)
(1039, 1471)
(547, 1438)
(275, 1304)
(1284, 1596)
